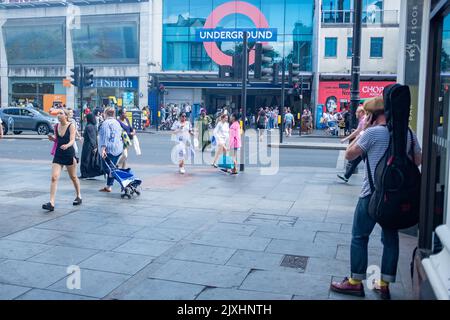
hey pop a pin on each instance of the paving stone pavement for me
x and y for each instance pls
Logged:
(202, 236)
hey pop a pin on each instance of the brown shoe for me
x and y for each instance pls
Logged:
(105, 189)
(346, 287)
(382, 291)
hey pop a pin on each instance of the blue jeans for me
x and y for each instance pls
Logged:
(363, 225)
(114, 159)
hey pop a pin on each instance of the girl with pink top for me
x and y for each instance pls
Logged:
(235, 140)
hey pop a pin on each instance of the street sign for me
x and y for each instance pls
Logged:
(66, 83)
(137, 119)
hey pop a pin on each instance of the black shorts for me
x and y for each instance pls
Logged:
(261, 126)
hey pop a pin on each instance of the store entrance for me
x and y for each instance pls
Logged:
(216, 99)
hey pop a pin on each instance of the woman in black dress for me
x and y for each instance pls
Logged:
(90, 160)
(64, 156)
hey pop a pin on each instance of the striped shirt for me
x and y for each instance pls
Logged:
(110, 137)
(374, 143)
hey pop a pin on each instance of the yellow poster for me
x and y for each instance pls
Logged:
(130, 116)
(119, 102)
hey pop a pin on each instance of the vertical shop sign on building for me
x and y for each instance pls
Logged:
(412, 53)
(413, 41)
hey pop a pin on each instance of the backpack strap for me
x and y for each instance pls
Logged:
(413, 144)
(369, 173)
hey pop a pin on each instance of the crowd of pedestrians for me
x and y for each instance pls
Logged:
(105, 138)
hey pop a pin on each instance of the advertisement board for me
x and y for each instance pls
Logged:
(128, 100)
(50, 100)
(334, 95)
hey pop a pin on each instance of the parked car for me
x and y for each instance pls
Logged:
(21, 119)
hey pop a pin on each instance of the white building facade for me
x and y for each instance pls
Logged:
(42, 40)
(379, 50)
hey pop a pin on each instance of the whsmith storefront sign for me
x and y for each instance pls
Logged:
(125, 83)
(223, 35)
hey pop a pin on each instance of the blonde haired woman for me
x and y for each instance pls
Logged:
(64, 155)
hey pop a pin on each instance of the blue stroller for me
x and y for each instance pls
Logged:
(125, 178)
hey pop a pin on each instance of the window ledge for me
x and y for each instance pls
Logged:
(437, 266)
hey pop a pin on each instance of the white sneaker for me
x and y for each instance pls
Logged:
(182, 170)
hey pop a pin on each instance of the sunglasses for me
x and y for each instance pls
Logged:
(183, 116)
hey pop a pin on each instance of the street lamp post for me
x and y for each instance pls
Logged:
(244, 96)
(283, 72)
(356, 56)
(81, 97)
(301, 105)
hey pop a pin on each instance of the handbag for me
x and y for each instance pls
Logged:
(136, 146)
(55, 143)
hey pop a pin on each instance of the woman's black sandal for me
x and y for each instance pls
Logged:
(77, 201)
(48, 206)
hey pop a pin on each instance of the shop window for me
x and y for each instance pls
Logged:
(24, 87)
(35, 41)
(330, 47)
(107, 39)
(46, 88)
(376, 47)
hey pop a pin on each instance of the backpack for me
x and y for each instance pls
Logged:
(395, 199)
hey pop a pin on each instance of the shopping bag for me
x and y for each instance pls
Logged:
(192, 153)
(136, 146)
(213, 141)
(55, 143)
(196, 143)
(226, 162)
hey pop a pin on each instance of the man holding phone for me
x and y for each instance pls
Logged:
(352, 165)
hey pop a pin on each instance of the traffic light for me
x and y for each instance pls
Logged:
(275, 71)
(88, 76)
(263, 61)
(75, 76)
(237, 66)
(294, 72)
(150, 83)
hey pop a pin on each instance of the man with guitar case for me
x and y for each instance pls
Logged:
(391, 187)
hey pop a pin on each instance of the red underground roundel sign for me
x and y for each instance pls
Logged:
(210, 33)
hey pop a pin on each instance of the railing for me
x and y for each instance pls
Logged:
(368, 17)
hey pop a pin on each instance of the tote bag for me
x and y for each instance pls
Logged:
(136, 146)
